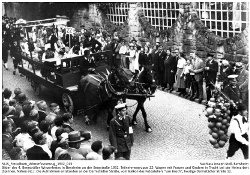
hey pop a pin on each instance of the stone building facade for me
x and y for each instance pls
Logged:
(188, 31)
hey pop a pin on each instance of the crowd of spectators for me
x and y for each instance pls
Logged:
(34, 131)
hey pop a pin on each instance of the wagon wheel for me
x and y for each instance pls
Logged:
(37, 89)
(67, 103)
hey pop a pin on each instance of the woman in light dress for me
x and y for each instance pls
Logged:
(133, 57)
(123, 52)
(180, 79)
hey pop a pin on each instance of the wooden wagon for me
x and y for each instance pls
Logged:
(66, 80)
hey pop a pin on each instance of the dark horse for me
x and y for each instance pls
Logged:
(104, 91)
(142, 88)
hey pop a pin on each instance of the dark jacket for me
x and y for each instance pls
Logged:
(159, 61)
(119, 136)
(67, 128)
(224, 74)
(211, 73)
(170, 64)
(144, 59)
(37, 153)
(42, 116)
(232, 93)
(52, 41)
(92, 43)
(15, 51)
(85, 65)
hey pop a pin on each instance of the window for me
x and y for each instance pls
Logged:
(223, 18)
(227, 18)
(161, 14)
(119, 13)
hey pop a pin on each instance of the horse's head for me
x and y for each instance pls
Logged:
(121, 77)
(147, 77)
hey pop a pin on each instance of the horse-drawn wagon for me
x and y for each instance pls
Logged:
(65, 79)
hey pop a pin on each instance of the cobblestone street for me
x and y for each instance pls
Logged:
(179, 126)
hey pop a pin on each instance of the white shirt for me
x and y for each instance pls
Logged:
(93, 156)
(49, 140)
(53, 132)
(238, 129)
(25, 141)
(186, 69)
(181, 63)
(123, 50)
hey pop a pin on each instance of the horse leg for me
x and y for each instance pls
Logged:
(134, 121)
(144, 114)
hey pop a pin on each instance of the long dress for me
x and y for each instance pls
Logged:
(122, 52)
(132, 57)
(180, 83)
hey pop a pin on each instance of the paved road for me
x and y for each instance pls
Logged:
(180, 129)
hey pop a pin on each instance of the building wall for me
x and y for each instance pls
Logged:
(188, 31)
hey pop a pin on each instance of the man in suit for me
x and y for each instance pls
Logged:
(86, 62)
(74, 141)
(92, 44)
(40, 150)
(197, 69)
(210, 71)
(108, 43)
(232, 90)
(115, 47)
(242, 82)
(67, 121)
(159, 65)
(121, 133)
(170, 67)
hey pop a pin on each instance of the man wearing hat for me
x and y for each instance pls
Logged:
(232, 90)
(239, 127)
(121, 133)
(225, 70)
(210, 72)
(134, 41)
(242, 82)
(74, 141)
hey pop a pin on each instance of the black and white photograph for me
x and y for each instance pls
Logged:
(152, 81)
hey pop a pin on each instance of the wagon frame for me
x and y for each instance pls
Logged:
(67, 80)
